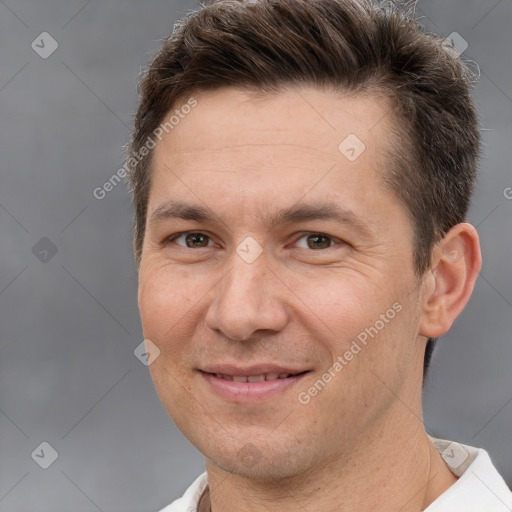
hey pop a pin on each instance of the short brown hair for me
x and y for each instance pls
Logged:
(349, 46)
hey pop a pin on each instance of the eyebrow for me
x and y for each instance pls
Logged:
(293, 215)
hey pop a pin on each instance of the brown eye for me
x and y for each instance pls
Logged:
(192, 240)
(196, 240)
(316, 241)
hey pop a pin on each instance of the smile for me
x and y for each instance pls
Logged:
(241, 388)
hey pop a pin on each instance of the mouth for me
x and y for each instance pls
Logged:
(250, 384)
(255, 378)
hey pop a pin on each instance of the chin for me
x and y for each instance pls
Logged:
(260, 463)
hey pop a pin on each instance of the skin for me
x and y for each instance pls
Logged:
(360, 443)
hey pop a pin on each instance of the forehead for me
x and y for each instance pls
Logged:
(274, 148)
(307, 116)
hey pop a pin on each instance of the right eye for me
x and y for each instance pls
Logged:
(192, 239)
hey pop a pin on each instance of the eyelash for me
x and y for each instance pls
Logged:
(172, 238)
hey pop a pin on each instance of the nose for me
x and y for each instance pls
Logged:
(248, 299)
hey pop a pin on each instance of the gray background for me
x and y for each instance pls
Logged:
(69, 325)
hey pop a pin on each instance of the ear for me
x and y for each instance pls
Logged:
(448, 285)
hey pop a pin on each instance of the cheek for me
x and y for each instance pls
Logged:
(369, 327)
(172, 306)
(163, 298)
(341, 306)
(165, 315)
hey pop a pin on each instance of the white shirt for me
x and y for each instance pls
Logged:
(480, 488)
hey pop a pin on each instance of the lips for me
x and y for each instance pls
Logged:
(240, 384)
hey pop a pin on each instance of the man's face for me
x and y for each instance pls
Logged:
(249, 291)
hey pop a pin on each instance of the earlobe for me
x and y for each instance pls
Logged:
(449, 284)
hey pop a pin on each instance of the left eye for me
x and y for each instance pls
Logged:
(316, 241)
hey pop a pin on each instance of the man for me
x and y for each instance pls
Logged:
(301, 174)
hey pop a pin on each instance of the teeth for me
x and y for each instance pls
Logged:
(256, 378)
(253, 378)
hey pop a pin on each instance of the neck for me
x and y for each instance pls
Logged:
(389, 469)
